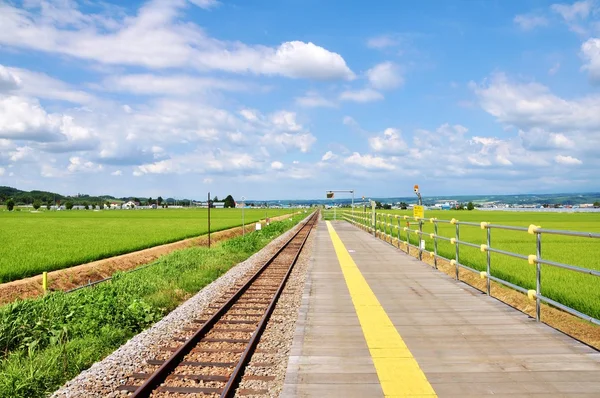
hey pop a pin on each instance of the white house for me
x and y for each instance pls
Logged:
(128, 205)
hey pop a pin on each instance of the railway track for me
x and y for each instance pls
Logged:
(210, 359)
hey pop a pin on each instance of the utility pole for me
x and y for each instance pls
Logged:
(209, 220)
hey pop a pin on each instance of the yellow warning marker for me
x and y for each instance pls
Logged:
(397, 370)
(532, 294)
(532, 259)
(533, 229)
(45, 281)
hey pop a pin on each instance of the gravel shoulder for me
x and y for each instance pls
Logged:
(276, 342)
(103, 378)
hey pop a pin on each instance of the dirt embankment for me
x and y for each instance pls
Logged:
(79, 275)
(560, 320)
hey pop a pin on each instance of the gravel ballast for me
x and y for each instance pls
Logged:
(277, 338)
(103, 378)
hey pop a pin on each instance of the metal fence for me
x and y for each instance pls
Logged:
(388, 225)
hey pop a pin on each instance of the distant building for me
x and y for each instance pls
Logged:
(128, 205)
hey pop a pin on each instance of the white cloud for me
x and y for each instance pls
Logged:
(157, 38)
(369, 161)
(364, 95)
(349, 121)
(9, 81)
(538, 139)
(285, 121)
(172, 85)
(390, 142)
(22, 153)
(571, 12)
(2, 171)
(529, 22)
(567, 160)
(40, 85)
(590, 52)
(287, 141)
(313, 99)
(385, 76)
(249, 114)
(381, 42)
(207, 180)
(575, 14)
(24, 119)
(202, 161)
(328, 156)
(276, 165)
(528, 105)
(117, 173)
(206, 4)
(77, 164)
(554, 70)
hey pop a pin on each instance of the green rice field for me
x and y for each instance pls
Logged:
(33, 242)
(574, 289)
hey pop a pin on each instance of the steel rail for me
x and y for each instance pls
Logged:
(161, 374)
(236, 375)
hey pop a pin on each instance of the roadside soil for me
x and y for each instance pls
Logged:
(583, 331)
(79, 275)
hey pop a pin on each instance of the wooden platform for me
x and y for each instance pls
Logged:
(465, 343)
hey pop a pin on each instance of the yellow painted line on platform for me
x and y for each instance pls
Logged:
(397, 370)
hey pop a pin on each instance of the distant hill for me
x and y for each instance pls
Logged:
(28, 197)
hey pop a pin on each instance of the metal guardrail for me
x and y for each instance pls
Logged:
(387, 223)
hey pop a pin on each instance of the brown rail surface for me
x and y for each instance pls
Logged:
(212, 360)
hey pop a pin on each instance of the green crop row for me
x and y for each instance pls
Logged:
(576, 290)
(50, 240)
(47, 341)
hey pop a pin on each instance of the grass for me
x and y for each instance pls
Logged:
(51, 240)
(576, 290)
(45, 342)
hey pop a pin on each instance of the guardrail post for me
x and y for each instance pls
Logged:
(538, 277)
(398, 222)
(407, 239)
(489, 258)
(435, 232)
(456, 250)
(420, 237)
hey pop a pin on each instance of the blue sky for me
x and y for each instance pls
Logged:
(288, 99)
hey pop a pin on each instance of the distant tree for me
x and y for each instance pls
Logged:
(387, 206)
(215, 199)
(403, 206)
(596, 204)
(136, 200)
(160, 200)
(37, 204)
(86, 205)
(150, 201)
(107, 204)
(229, 202)
(101, 206)
(93, 206)
(10, 204)
(69, 205)
(48, 205)
(470, 206)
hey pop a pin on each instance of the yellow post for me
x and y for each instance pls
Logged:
(45, 282)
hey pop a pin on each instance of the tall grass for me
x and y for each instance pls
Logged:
(49, 240)
(45, 342)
